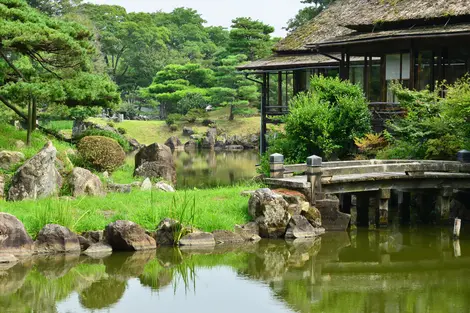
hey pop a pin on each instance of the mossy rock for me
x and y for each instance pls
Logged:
(101, 153)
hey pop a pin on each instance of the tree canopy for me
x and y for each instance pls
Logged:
(304, 15)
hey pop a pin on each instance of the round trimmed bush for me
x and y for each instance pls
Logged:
(101, 153)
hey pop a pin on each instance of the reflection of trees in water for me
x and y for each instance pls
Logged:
(214, 168)
(327, 274)
(102, 294)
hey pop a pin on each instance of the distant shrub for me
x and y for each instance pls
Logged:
(122, 131)
(110, 124)
(106, 133)
(207, 122)
(173, 118)
(173, 128)
(195, 114)
(101, 153)
(370, 144)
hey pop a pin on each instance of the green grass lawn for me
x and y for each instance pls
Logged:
(219, 208)
(9, 136)
(148, 132)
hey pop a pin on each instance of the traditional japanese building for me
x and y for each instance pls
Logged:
(371, 42)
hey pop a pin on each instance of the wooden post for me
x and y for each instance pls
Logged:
(314, 164)
(264, 91)
(276, 165)
(443, 204)
(457, 225)
(279, 89)
(383, 199)
(373, 212)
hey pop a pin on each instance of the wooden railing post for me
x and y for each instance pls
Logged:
(276, 165)
(314, 172)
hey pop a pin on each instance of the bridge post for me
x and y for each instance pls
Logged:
(383, 199)
(443, 204)
(276, 165)
(314, 164)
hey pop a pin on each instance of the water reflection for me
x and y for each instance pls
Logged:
(384, 271)
(214, 168)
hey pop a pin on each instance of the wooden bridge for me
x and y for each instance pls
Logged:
(371, 181)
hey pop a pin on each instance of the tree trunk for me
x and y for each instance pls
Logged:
(34, 115)
(29, 127)
(232, 116)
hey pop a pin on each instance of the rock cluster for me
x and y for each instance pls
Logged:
(280, 215)
(155, 161)
(36, 178)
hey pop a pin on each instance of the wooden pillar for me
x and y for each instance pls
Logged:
(300, 79)
(373, 212)
(276, 165)
(383, 201)
(412, 66)
(366, 78)
(383, 81)
(342, 67)
(443, 204)
(314, 171)
(264, 96)
(279, 89)
(362, 207)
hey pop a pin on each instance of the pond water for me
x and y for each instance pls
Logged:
(386, 271)
(207, 168)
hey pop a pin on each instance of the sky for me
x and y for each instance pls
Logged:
(221, 12)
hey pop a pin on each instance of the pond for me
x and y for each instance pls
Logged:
(206, 168)
(384, 271)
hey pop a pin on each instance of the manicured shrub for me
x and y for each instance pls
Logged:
(122, 131)
(106, 133)
(101, 153)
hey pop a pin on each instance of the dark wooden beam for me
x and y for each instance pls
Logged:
(279, 88)
(264, 91)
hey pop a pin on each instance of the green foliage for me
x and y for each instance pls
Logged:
(250, 37)
(370, 144)
(101, 153)
(324, 121)
(308, 13)
(433, 127)
(48, 61)
(173, 118)
(195, 114)
(191, 101)
(121, 130)
(109, 134)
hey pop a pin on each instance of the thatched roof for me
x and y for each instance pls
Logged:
(357, 14)
(283, 62)
(358, 37)
(322, 27)
(343, 17)
(288, 61)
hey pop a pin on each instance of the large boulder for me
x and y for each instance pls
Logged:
(36, 178)
(56, 239)
(211, 138)
(10, 158)
(134, 144)
(174, 143)
(299, 227)
(83, 182)
(190, 145)
(155, 161)
(313, 215)
(331, 217)
(128, 236)
(188, 131)
(167, 230)
(13, 236)
(270, 212)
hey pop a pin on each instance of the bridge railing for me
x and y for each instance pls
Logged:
(337, 168)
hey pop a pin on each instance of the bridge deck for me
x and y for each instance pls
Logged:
(376, 181)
